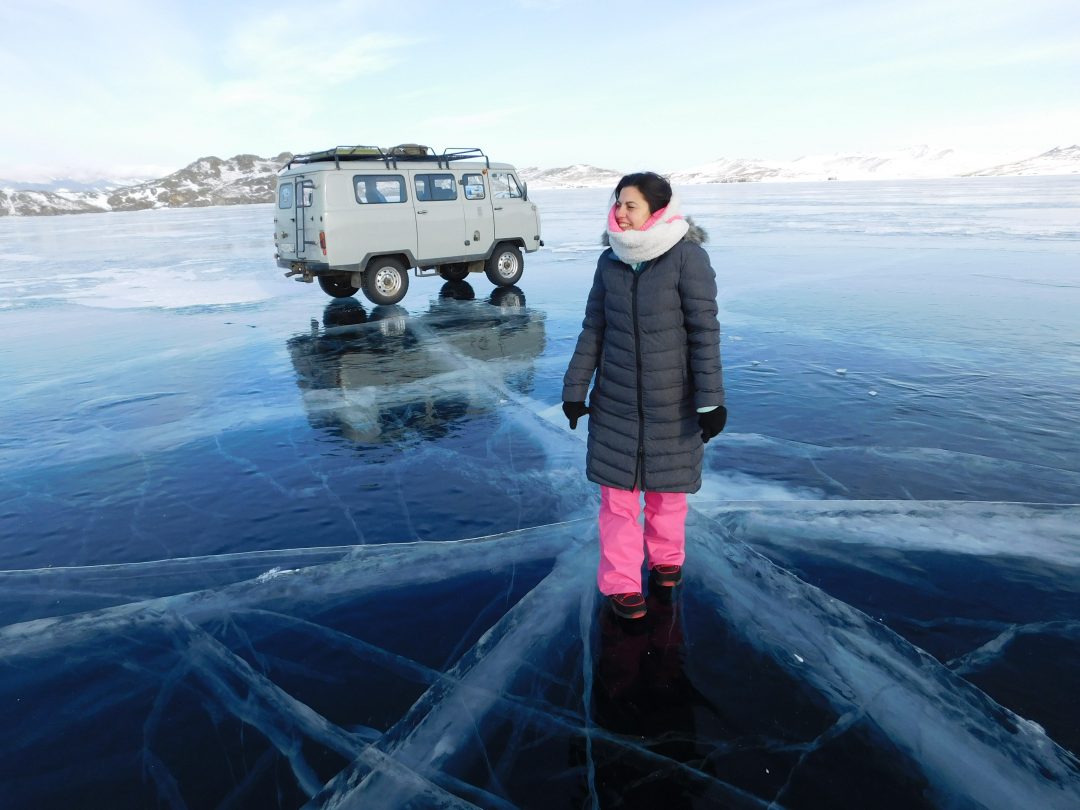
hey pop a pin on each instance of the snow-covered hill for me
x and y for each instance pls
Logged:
(207, 181)
(914, 163)
(727, 170)
(917, 162)
(47, 203)
(580, 175)
(1060, 160)
(72, 183)
(250, 179)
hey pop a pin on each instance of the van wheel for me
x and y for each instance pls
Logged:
(337, 286)
(505, 266)
(385, 281)
(454, 272)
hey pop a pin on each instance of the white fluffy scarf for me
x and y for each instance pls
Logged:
(661, 233)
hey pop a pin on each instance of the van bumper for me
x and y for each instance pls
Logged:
(302, 266)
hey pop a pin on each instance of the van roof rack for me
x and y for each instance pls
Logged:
(463, 153)
(340, 153)
(404, 152)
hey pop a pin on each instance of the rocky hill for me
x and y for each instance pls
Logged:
(580, 175)
(913, 163)
(207, 181)
(250, 179)
(1060, 160)
(727, 170)
(46, 203)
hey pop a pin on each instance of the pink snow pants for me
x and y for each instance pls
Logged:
(623, 543)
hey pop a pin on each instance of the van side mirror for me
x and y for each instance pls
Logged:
(524, 191)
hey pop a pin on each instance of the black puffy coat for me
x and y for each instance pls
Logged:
(653, 340)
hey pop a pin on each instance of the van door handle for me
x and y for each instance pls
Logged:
(424, 211)
(498, 208)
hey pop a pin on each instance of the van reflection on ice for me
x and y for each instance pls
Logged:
(390, 375)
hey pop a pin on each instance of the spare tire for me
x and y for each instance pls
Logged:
(338, 286)
(454, 272)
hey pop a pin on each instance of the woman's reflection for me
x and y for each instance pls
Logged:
(641, 690)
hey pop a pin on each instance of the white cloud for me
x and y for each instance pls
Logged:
(270, 48)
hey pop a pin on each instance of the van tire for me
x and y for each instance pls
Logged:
(505, 266)
(386, 281)
(454, 272)
(338, 286)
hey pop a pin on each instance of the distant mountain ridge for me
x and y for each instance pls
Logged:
(208, 181)
(915, 163)
(1059, 160)
(245, 179)
(580, 175)
(72, 184)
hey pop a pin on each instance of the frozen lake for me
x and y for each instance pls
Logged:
(259, 549)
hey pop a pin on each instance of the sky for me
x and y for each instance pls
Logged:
(127, 88)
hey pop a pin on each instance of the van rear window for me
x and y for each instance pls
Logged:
(375, 189)
(285, 195)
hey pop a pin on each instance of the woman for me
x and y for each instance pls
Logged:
(651, 337)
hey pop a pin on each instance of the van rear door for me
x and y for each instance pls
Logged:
(285, 219)
(307, 230)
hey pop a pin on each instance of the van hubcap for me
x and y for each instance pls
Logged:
(508, 265)
(387, 281)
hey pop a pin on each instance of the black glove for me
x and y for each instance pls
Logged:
(574, 411)
(711, 422)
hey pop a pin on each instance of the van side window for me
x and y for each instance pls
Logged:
(435, 187)
(285, 195)
(503, 185)
(474, 186)
(374, 189)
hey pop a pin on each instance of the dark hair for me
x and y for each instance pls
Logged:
(654, 188)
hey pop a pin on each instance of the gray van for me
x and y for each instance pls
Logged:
(358, 217)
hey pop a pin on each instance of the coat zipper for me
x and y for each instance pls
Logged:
(639, 471)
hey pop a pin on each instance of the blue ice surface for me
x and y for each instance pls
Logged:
(258, 548)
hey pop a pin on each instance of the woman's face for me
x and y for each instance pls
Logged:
(631, 209)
